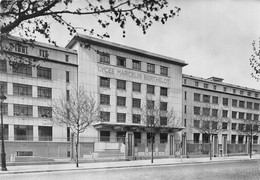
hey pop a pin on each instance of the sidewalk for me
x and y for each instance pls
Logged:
(119, 164)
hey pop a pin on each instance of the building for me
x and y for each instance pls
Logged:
(213, 97)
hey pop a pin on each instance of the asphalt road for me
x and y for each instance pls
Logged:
(246, 170)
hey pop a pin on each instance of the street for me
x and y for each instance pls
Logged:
(246, 170)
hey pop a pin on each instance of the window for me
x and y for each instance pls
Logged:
(163, 91)
(185, 81)
(163, 121)
(136, 103)
(22, 69)
(206, 111)
(5, 109)
(248, 93)
(150, 68)
(214, 87)
(241, 115)
(164, 71)
(196, 137)
(214, 99)
(214, 125)
(234, 91)
(240, 139)
(121, 117)
(234, 126)
(185, 95)
(120, 136)
(22, 132)
(68, 133)
(224, 89)
(67, 58)
(185, 109)
(233, 139)
(150, 89)
(104, 136)
(256, 95)
(196, 83)
(240, 127)
(43, 72)
(44, 111)
(224, 125)
(121, 101)
(136, 118)
(163, 106)
(67, 76)
(121, 84)
(136, 64)
(3, 66)
(234, 114)
(249, 105)
(206, 98)
(196, 97)
(185, 123)
(225, 113)
(255, 139)
(45, 133)
(137, 138)
(241, 92)
(256, 117)
(225, 101)
(105, 116)
(4, 86)
(136, 87)
(206, 85)
(196, 123)
(234, 102)
(67, 95)
(104, 99)
(214, 113)
(196, 110)
(104, 58)
(256, 106)
(242, 104)
(22, 90)
(43, 53)
(248, 116)
(23, 110)
(205, 138)
(21, 49)
(163, 137)
(150, 104)
(121, 61)
(104, 82)
(256, 128)
(6, 131)
(44, 92)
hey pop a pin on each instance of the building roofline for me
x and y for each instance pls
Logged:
(107, 44)
(220, 83)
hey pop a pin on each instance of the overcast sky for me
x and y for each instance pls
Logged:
(213, 36)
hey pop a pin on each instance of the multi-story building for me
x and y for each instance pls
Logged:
(29, 92)
(213, 97)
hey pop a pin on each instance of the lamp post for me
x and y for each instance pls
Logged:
(3, 160)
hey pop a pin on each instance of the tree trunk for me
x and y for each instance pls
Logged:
(152, 149)
(210, 147)
(77, 150)
(250, 146)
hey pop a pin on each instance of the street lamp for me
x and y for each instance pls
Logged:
(3, 160)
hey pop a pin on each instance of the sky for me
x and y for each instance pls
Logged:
(214, 37)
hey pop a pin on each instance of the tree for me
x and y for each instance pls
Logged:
(157, 119)
(249, 128)
(210, 124)
(78, 112)
(255, 60)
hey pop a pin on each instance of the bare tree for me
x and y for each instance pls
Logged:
(157, 119)
(210, 123)
(255, 60)
(249, 128)
(78, 111)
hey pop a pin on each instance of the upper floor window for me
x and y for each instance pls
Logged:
(43, 72)
(21, 49)
(136, 103)
(104, 82)
(121, 101)
(163, 106)
(150, 104)
(67, 76)
(196, 110)
(225, 101)
(214, 112)
(163, 121)
(5, 109)
(224, 89)
(121, 84)
(214, 87)
(136, 118)
(105, 116)
(136, 87)
(196, 83)
(136, 64)
(43, 53)
(121, 61)
(196, 97)
(23, 69)
(206, 85)
(234, 114)
(44, 92)
(67, 58)
(104, 99)
(224, 113)
(185, 81)
(44, 111)
(234, 91)
(22, 89)
(164, 71)
(242, 104)
(3, 66)
(256, 95)
(104, 58)
(206, 98)
(150, 89)
(3, 87)
(249, 105)
(164, 91)
(150, 68)
(214, 99)
(121, 117)
(241, 92)
(23, 110)
(206, 111)
(248, 93)
(256, 106)
(234, 102)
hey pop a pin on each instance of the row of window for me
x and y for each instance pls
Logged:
(136, 87)
(121, 61)
(225, 89)
(242, 115)
(25, 133)
(26, 90)
(207, 124)
(27, 110)
(244, 127)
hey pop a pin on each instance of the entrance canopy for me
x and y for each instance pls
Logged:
(133, 127)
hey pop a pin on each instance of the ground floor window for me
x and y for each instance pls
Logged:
(45, 133)
(120, 136)
(205, 138)
(22, 132)
(255, 139)
(163, 137)
(105, 136)
(240, 139)
(137, 138)
(149, 138)
(233, 139)
(6, 132)
(196, 137)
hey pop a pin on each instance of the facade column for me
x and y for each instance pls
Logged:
(35, 133)
(10, 132)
